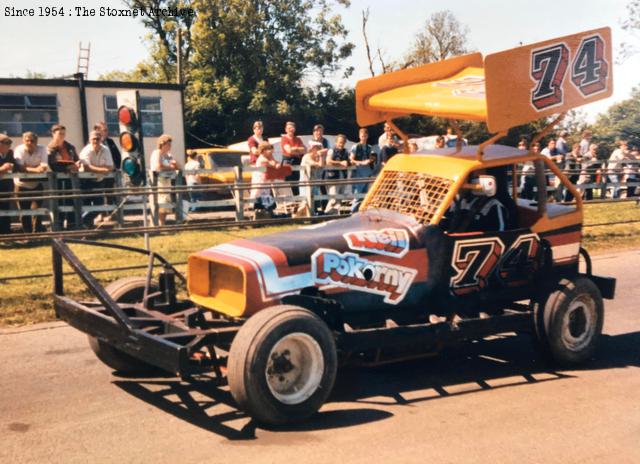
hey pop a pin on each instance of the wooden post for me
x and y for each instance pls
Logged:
(53, 203)
(121, 199)
(77, 201)
(238, 194)
(179, 211)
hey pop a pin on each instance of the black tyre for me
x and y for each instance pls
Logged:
(569, 321)
(126, 290)
(282, 365)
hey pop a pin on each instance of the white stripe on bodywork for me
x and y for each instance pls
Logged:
(562, 252)
(267, 271)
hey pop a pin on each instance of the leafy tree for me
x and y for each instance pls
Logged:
(621, 121)
(631, 24)
(443, 37)
(245, 59)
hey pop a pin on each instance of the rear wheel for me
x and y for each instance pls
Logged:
(569, 321)
(126, 290)
(282, 365)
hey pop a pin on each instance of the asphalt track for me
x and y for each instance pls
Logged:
(490, 401)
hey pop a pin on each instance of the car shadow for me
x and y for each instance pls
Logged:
(498, 362)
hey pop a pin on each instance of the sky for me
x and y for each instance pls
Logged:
(50, 44)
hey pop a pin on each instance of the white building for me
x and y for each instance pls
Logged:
(36, 104)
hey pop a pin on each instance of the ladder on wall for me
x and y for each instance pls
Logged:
(83, 59)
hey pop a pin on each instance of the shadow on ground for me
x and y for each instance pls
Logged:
(470, 368)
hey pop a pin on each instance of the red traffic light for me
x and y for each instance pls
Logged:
(128, 142)
(126, 116)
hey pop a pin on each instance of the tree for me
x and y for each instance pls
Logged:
(631, 24)
(621, 121)
(244, 59)
(443, 37)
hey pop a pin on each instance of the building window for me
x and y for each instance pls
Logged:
(151, 115)
(24, 113)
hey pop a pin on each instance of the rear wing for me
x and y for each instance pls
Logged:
(505, 89)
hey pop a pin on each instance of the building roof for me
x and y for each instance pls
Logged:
(88, 84)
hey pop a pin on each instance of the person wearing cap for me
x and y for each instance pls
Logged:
(312, 166)
(6, 185)
(31, 158)
(95, 158)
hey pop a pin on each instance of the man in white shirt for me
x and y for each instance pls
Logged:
(95, 158)
(614, 166)
(30, 158)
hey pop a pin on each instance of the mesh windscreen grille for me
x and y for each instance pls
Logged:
(412, 193)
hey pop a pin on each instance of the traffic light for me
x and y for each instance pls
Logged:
(133, 165)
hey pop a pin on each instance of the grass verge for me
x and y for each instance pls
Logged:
(29, 301)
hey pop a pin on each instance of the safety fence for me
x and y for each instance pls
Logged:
(68, 204)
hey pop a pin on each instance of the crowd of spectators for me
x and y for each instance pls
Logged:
(584, 168)
(320, 168)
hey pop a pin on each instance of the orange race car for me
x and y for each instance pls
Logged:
(442, 249)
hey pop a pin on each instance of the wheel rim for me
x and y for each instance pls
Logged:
(579, 323)
(294, 368)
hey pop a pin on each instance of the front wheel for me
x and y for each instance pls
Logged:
(282, 365)
(125, 290)
(569, 321)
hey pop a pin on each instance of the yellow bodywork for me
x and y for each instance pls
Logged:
(223, 177)
(497, 90)
(456, 167)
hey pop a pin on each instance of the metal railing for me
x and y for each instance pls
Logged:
(230, 201)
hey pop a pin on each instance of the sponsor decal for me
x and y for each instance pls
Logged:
(467, 86)
(388, 242)
(349, 270)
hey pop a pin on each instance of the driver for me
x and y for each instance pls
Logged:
(477, 208)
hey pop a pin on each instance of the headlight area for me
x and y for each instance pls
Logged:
(217, 286)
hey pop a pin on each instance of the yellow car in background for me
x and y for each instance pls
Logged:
(222, 161)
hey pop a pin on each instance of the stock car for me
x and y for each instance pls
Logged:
(274, 316)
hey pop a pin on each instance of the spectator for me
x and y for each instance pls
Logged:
(561, 144)
(413, 147)
(162, 160)
(14, 127)
(337, 157)
(193, 179)
(6, 185)
(440, 142)
(551, 152)
(388, 144)
(528, 181)
(260, 190)
(522, 144)
(615, 166)
(44, 126)
(585, 142)
(588, 171)
(293, 149)
(572, 168)
(103, 129)
(62, 158)
(363, 158)
(312, 166)
(95, 158)
(632, 171)
(254, 141)
(318, 136)
(32, 159)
